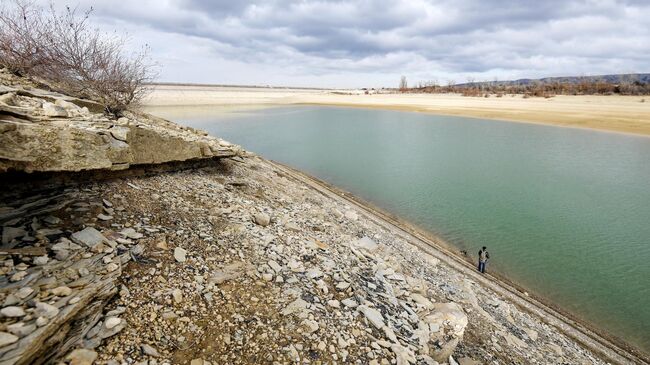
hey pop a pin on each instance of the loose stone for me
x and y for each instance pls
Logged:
(112, 322)
(149, 350)
(46, 310)
(179, 254)
(62, 291)
(81, 357)
(7, 339)
(12, 312)
(262, 219)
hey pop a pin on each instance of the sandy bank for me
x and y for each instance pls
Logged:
(612, 113)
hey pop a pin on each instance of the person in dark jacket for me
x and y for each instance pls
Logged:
(483, 256)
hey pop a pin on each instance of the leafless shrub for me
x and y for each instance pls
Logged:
(21, 38)
(470, 91)
(61, 49)
(625, 85)
(403, 85)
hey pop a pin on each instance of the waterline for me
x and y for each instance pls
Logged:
(563, 211)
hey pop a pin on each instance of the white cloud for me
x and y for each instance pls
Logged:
(372, 42)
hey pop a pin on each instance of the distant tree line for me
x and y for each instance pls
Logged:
(63, 51)
(623, 85)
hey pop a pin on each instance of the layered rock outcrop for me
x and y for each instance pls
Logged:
(46, 131)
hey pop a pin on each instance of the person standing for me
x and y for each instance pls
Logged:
(483, 256)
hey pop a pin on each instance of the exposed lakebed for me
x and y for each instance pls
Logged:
(564, 212)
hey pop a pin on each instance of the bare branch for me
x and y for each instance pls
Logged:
(61, 49)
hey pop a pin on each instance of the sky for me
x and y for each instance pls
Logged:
(371, 43)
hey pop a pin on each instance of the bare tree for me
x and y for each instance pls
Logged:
(61, 49)
(403, 85)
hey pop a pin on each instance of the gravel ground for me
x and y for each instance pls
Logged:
(241, 264)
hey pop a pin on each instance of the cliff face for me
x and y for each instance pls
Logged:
(45, 131)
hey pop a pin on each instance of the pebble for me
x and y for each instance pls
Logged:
(179, 254)
(452, 361)
(62, 291)
(41, 321)
(275, 266)
(21, 329)
(310, 325)
(291, 226)
(131, 233)
(81, 357)
(149, 350)
(11, 299)
(112, 322)
(314, 273)
(20, 275)
(342, 286)
(41, 260)
(10, 233)
(366, 243)
(104, 217)
(46, 310)
(24, 292)
(351, 215)
(89, 236)
(262, 219)
(374, 316)
(12, 312)
(7, 339)
(177, 294)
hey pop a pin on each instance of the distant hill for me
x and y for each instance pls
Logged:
(643, 78)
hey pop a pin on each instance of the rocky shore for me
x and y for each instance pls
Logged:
(239, 261)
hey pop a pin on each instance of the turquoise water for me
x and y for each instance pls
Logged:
(564, 212)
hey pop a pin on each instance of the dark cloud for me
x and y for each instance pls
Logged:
(448, 38)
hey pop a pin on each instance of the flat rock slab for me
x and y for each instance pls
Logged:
(59, 128)
(89, 236)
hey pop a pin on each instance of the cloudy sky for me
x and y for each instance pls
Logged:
(372, 42)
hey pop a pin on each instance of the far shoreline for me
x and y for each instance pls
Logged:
(608, 113)
(470, 116)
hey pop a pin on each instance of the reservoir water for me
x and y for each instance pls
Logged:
(564, 212)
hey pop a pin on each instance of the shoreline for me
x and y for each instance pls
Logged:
(579, 329)
(610, 113)
(216, 221)
(607, 346)
(408, 109)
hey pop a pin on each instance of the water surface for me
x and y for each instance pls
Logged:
(565, 212)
